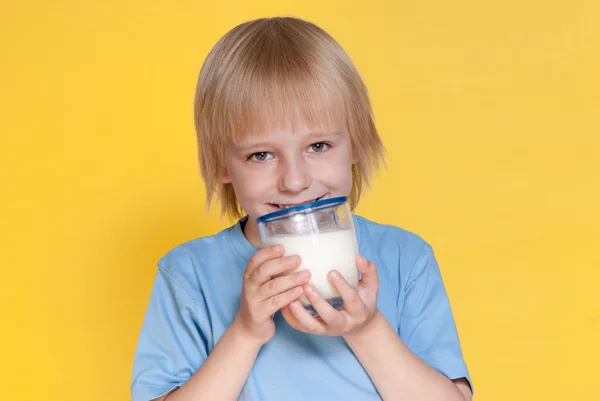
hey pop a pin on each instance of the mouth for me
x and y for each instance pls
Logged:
(280, 206)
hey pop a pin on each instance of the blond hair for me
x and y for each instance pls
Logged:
(278, 73)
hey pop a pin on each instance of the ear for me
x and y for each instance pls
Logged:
(354, 157)
(226, 178)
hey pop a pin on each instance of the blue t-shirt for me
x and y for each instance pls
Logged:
(196, 295)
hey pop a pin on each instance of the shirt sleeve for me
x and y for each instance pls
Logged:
(426, 322)
(171, 346)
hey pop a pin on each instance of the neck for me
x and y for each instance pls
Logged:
(251, 233)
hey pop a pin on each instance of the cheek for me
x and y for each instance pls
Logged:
(249, 182)
(336, 175)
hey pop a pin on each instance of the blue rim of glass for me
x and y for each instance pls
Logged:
(299, 208)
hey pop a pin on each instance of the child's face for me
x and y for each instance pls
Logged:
(281, 169)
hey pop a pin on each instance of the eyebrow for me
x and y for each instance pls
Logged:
(262, 144)
(249, 145)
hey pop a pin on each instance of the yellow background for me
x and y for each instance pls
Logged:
(490, 113)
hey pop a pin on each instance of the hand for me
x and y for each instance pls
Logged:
(263, 295)
(360, 306)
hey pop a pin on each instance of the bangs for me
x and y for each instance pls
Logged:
(284, 103)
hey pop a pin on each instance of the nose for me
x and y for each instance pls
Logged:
(294, 176)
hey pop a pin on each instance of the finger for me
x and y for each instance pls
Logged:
(370, 278)
(353, 304)
(261, 256)
(276, 302)
(291, 319)
(283, 283)
(273, 267)
(307, 322)
(328, 313)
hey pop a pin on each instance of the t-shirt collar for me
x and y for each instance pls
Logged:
(241, 245)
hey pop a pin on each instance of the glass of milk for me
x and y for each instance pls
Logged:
(322, 234)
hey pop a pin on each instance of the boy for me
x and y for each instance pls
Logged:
(282, 118)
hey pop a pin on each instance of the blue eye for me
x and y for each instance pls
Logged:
(318, 147)
(261, 156)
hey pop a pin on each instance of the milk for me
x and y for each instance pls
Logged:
(320, 253)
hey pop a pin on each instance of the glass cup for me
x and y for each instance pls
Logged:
(322, 233)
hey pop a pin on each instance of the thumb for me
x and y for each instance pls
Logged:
(369, 279)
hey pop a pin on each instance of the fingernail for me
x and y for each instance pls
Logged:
(305, 274)
(310, 289)
(362, 259)
(335, 275)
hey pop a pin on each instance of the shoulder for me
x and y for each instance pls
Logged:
(384, 236)
(400, 255)
(193, 264)
(181, 255)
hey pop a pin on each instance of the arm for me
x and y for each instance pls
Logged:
(417, 357)
(173, 339)
(224, 373)
(396, 371)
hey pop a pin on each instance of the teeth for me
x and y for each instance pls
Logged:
(286, 206)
